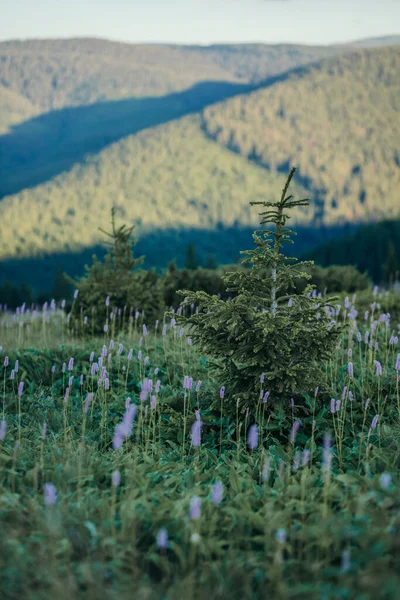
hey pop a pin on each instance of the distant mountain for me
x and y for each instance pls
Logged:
(166, 177)
(53, 74)
(181, 150)
(377, 42)
(337, 120)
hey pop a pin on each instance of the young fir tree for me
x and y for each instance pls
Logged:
(116, 279)
(265, 331)
(391, 265)
(191, 260)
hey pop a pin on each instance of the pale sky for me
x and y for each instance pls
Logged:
(201, 21)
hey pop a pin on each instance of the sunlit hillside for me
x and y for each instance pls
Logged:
(337, 120)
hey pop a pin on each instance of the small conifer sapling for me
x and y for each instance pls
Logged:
(266, 328)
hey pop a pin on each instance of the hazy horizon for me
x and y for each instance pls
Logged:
(201, 22)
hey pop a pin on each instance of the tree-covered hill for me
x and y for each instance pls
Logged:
(54, 74)
(50, 143)
(168, 177)
(338, 121)
(14, 108)
(377, 42)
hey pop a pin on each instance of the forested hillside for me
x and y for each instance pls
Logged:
(373, 248)
(57, 73)
(338, 120)
(170, 177)
(184, 177)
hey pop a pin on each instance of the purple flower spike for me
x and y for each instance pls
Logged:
(306, 457)
(3, 429)
(280, 536)
(162, 539)
(196, 433)
(116, 478)
(385, 480)
(222, 392)
(88, 400)
(374, 422)
(293, 433)
(186, 382)
(50, 494)
(327, 453)
(346, 561)
(378, 368)
(195, 508)
(252, 440)
(217, 492)
(198, 384)
(20, 388)
(350, 369)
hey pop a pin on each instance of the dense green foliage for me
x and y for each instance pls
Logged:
(372, 248)
(265, 328)
(111, 291)
(335, 278)
(338, 121)
(329, 280)
(296, 516)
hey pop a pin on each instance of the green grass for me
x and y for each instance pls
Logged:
(340, 525)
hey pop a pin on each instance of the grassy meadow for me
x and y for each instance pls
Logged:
(119, 478)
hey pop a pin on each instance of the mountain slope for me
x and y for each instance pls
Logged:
(14, 108)
(168, 177)
(54, 74)
(338, 120)
(48, 144)
(377, 42)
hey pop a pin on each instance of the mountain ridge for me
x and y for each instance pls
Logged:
(183, 175)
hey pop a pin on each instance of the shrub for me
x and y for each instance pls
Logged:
(112, 290)
(205, 280)
(265, 332)
(336, 278)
